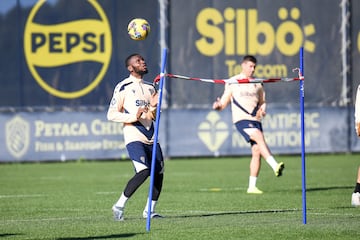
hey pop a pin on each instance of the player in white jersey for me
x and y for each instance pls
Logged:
(248, 107)
(134, 104)
(355, 197)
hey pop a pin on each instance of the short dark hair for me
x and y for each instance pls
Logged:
(127, 60)
(249, 58)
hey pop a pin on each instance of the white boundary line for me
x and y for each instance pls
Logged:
(22, 196)
(106, 193)
(182, 214)
(51, 219)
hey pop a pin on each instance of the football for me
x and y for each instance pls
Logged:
(138, 29)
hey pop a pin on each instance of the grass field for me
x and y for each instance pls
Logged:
(201, 199)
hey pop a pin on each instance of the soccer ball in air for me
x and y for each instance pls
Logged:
(138, 29)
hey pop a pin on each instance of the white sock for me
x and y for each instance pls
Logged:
(122, 201)
(153, 205)
(272, 162)
(252, 181)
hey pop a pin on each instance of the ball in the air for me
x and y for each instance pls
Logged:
(138, 29)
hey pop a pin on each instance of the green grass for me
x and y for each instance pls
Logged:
(201, 199)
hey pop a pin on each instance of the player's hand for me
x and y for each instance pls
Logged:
(141, 110)
(357, 127)
(154, 99)
(261, 112)
(217, 104)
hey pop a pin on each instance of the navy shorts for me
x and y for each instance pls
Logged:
(246, 124)
(142, 153)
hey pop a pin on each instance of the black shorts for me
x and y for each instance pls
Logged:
(246, 124)
(142, 153)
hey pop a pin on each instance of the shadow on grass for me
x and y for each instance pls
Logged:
(9, 234)
(125, 235)
(237, 213)
(314, 189)
(328, 188)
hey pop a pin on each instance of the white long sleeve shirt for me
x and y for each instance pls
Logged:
(129, 95)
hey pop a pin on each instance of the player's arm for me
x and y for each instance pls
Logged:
(221, 103)
(153, 106)
(357, 112)
(262, 105)
(116, 111)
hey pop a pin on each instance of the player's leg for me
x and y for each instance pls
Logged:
(255, 162)
(245, 127)
(158, 183)
(257, 135)
(159, 174)
(357, 187)
(136, 152)
(355, 198)
(133, 184)
(255, 165)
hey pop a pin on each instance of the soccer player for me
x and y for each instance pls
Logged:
(355, 198)
(134, 104)
(248, 108)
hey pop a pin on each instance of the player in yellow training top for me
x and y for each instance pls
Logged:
(248, 107)
(134, 104)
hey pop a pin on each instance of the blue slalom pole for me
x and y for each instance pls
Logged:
(303, 165)
(157, 123)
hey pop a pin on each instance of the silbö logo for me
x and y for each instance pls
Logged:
(53, 51)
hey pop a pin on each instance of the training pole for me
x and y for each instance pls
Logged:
(303, 165)
(157, 124)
